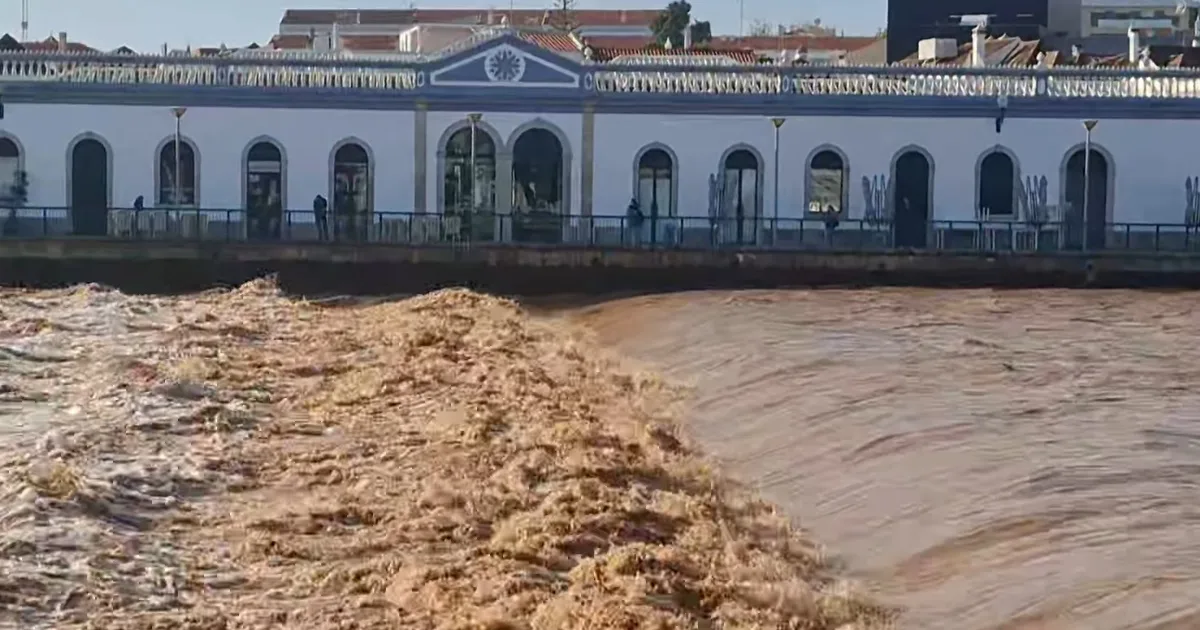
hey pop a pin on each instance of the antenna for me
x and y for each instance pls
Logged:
(24, 20)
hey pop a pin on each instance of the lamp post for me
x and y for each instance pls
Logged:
(474, 120)
(777, 122)
(1088, 126)
(178, 192)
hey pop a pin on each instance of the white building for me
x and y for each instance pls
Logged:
(561, 148)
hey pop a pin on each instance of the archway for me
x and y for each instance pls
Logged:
(187, 175)
(655, 189)
(466, 195)
(1095, 170)
(89, 188)
(264, 190)
(827, 183)
(997, 183)
(537, 193)
(741, 208)
(351, 195)
(911, 178)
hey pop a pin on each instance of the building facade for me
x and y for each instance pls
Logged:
(553, 147)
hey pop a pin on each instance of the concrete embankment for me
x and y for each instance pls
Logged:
(530, 270)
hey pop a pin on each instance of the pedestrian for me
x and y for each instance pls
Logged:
(320, 212)
(635, 220)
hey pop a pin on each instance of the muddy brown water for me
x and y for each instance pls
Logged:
(989, 460)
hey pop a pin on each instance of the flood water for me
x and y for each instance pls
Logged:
(989, 460)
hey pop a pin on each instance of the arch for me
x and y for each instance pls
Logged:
(808, 178)
(746, 227)
(13, 151)
(673, 207)
(482, 127)
(89, 209)
(343, 155)
(1097, 230)
(912, 201)
(268, 224)
(564, 143)
(1014, 207)
(158, 169)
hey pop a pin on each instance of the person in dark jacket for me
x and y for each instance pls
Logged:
(634, 219)
(321, 212)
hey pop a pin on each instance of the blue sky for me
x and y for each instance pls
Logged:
(145, 24)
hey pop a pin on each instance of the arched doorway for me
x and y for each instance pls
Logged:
(351, 193)
(10, 167)
(997, 186)
(911, 199)
(264, 190)
(827, 183)
(655, 190)
(1095, 170)
(537, 193)
(741, 204)
(167, 175)
(89, 188)
(459, 196)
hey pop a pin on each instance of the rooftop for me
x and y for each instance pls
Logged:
(518, 17)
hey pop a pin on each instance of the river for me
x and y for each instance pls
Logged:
(989, 460)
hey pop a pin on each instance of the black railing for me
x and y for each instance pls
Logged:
(612, 232)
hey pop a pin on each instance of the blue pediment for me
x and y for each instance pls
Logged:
(506, 62)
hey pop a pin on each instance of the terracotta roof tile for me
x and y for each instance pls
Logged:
(585, 17)
(371, 43)
(797, 42)
(555, 41)
(50, 44)
(604, 55)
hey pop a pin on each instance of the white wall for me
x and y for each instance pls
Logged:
(505, 125)
(1150, 157)
(221, 134)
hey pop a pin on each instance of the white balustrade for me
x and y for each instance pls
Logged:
(631, 74)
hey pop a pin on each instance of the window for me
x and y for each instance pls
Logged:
(997, 182)
(177, 176)
(655, 183)
(827, 183)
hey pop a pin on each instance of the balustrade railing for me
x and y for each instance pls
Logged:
(675, 76)
(606, 232)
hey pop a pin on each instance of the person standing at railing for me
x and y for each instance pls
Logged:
(635, 219)
(320, 214)
(832, 220)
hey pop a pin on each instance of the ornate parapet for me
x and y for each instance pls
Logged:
(699, 76)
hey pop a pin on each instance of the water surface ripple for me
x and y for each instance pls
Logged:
(990, 460)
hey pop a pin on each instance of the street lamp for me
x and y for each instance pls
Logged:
(778, 122)
(474, 120)
(1088, 126)
(178, 192)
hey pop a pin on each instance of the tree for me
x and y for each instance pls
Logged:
(562, 16)
(669, 25)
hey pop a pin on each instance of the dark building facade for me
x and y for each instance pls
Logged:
(910, 21)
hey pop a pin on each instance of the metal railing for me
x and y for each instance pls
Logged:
(602, 232)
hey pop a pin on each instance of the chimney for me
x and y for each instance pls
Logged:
(1135, 45)
(624, 16)
(164, 49)
(687, 36)
(335, 37)
(491, 16)
(62, 41)
(978, 45)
